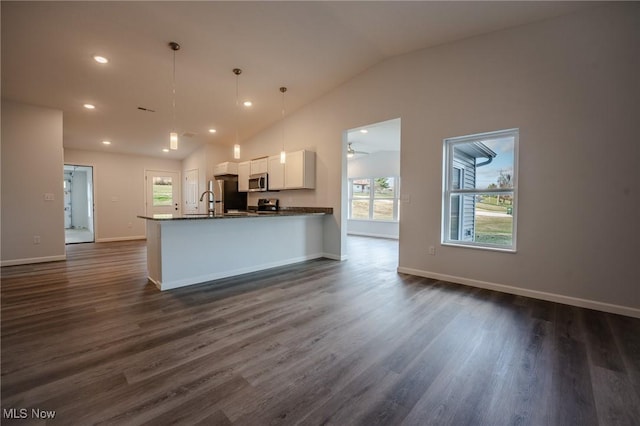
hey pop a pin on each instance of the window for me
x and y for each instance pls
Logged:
(374, 198)
(162, 191)
(479, 191)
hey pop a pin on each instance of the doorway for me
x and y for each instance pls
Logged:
(373, 174)
(371, 184)
(78, 204)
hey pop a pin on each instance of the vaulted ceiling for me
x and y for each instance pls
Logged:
(309, 47)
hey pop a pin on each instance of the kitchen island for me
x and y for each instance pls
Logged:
(197, 248)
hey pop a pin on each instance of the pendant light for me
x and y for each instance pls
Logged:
(236, 146)
(283, 154)
(173, 136)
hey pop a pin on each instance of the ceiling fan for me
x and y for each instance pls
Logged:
(351, 152)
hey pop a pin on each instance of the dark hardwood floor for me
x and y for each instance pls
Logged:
(322, 342)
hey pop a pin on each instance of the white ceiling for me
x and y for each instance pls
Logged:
(382, 136)
(310, 47)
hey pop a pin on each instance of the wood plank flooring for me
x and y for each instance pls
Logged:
(321, 342)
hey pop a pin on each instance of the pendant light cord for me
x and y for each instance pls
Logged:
(237, 72)
(173, 136)
(174, 90)
(283, 90)
(237, 105)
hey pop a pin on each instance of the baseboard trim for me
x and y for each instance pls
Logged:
(535, 294)
(114, 239)
(156, 283)
(31, 260)
(335, 256)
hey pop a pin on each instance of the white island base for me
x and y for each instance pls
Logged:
(182, 252)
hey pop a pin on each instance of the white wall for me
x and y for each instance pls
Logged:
(198, 161)
(570, 85)
(119, 190)
(377, 164)
(31, 166)
(380, 163)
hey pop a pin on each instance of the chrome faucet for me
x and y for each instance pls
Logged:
(212, 201)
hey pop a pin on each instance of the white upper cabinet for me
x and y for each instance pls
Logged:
(259, 166)
(244, 170)
(300, 170)
(276, 173)
(226, 168)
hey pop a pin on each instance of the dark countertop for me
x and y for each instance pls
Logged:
(290, 211)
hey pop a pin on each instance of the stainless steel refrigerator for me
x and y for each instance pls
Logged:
(226, 193)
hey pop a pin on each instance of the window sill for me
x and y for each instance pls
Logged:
(479, 247)
(375, 220)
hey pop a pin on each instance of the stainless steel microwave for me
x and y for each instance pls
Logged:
(258, 182)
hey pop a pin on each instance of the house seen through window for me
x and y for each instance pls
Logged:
(479, 202)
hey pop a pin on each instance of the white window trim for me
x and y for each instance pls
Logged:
(447, 184)
(396, 199)
(462, 173)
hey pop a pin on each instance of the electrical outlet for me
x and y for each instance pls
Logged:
(36, 239)
(49, 196)
(432, 251)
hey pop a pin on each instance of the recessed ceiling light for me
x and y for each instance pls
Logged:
(100, 59)
(106, 142)
(212, 130)
(364, 131)
(247, 103)
(89, 106)
(165, 149)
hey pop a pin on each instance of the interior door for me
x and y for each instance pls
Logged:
(162, 192)
(191, 194)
